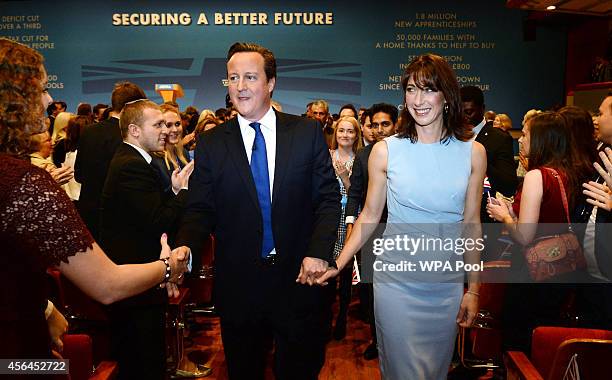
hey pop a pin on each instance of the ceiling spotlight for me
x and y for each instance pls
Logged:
(551, 7)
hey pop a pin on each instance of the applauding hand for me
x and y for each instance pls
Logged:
(180, 177)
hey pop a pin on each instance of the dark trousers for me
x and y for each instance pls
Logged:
(297, 333)
(138, 341)
(345, 281)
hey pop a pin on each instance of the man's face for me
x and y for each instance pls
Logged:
(473, 113)
(382, 125)
(153, 131)
(319, 113)
(369, 133)
(605, 120)
(347, 112)
(45, 97)
(98, 115)
(249, 89)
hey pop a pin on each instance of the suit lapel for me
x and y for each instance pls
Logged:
(235, 146)
(284, 139)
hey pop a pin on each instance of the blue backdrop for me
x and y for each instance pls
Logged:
(356, 58)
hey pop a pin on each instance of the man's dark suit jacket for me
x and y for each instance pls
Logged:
(97, 146)
(501, 168)
(223, 200)
(359, 184)
(135, 210)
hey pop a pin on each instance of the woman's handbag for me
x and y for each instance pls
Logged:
(551, 256)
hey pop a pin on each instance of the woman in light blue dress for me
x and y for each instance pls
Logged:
(431, 175)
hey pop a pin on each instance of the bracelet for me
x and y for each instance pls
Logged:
(168, 270)
(473, 293)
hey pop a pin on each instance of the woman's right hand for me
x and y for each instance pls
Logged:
(62, 175)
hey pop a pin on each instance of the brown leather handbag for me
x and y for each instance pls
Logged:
(551, 256)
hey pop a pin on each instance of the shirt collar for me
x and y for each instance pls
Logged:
(479, 127)
(142, 152)
(268, 121)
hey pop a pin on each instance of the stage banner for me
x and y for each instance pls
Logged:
(341, 51)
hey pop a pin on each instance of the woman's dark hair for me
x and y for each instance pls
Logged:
(73, 131)
(580, 124)
(432, 71)
(550, 145)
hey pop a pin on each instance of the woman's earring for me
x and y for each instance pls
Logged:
(446, 107)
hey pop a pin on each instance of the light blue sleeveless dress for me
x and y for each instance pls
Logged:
(416, 312)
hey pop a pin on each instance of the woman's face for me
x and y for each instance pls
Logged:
(426, 106)
(345, 134)
(45, 145)
(497, 122)
(175, 127)
(45, 98)
(524, 140)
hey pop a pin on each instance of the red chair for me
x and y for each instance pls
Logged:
(555, 350)
(480, 345)
(201, 282)
(78, 349)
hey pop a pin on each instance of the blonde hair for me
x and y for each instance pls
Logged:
(505, 121)
(59, 127)
(133, 112)
(530, 115)
(358, 143)
(172, 152)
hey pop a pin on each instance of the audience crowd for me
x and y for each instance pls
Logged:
(561, 173)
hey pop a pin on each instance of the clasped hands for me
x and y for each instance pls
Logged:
(179, 260)
(315, 271)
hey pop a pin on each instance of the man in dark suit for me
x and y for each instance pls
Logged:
(384, 118)
(97, 146)
(264, 184)
(135, 212)
(595, 230)
(501, 168)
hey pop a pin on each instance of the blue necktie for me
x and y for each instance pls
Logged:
(259, 169)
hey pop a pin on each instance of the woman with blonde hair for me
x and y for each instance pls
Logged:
(345, 144)
(503, 122)
(175, 156)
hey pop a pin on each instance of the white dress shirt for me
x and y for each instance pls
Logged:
(268, 129)
(478, 128)
(142, 152)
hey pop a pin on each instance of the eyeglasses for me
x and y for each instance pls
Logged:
(175, 124)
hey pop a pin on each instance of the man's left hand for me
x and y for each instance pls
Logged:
(312, 268)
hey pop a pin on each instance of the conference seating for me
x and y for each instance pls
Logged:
(78, 349)
(559, 353)
(480, 345)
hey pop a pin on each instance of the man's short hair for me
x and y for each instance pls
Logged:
(125, 92)
(133, 113)
(349, 107)
(98, 107)
(268, 56)
(367, 112)
(387, 108)
(472, 94)
(320, 103)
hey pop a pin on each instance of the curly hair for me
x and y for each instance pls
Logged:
(21, 85)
